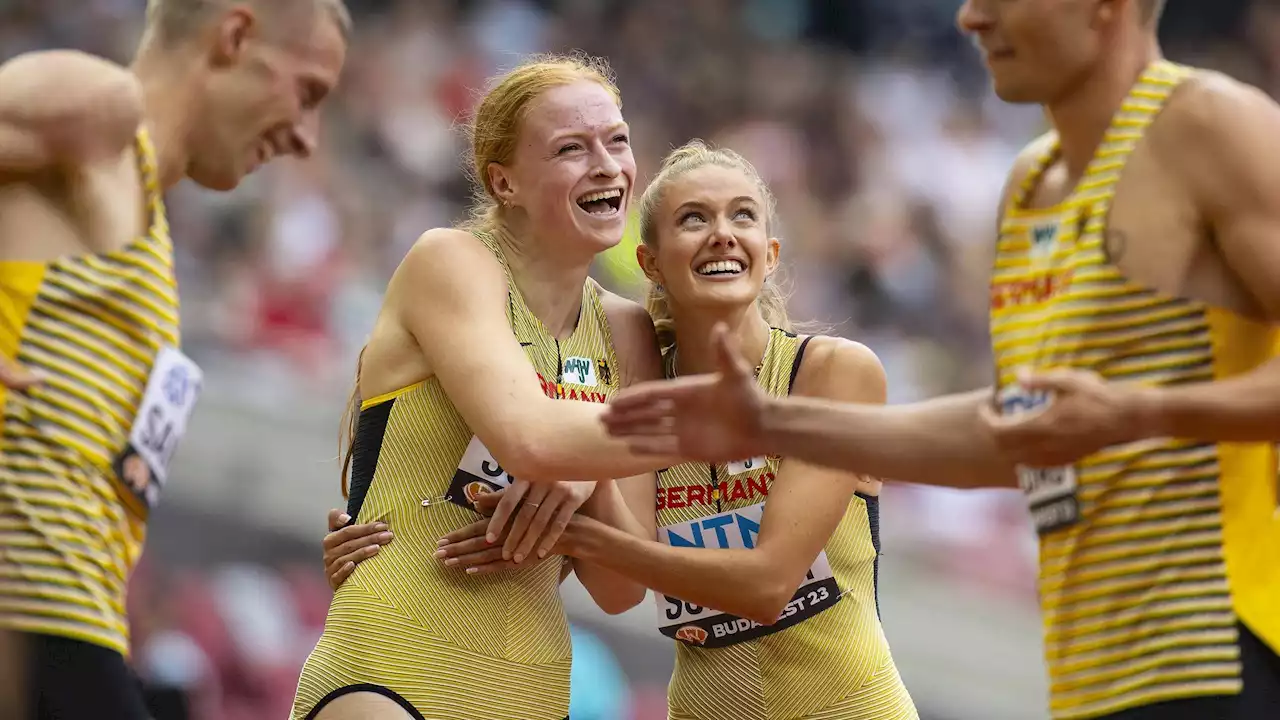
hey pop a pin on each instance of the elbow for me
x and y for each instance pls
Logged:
(616, 604)
(767, 605)
(523, 455)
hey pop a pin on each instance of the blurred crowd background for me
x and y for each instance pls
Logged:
(874, 124)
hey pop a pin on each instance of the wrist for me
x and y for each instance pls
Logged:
(1146, 412)
(773, 421)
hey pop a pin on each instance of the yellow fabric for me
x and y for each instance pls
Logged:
(833, 666)
(455, 646)
(70, 533)
(1175, 538)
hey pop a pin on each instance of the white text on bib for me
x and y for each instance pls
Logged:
(705, 627)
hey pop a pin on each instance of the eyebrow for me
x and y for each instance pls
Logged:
(584, 133)
(741, 199)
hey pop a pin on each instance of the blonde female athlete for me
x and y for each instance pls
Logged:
(766, 570)
(491, 360)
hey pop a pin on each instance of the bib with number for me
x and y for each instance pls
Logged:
(1051, 492)
(171, 394)
(478, 473)
(705, 627)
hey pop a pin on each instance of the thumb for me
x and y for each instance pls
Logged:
(13, 375)
(727, 357)
(1055, 379)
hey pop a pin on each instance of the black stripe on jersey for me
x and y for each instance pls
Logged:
(795, 364)
(366, 446)
(873, 523)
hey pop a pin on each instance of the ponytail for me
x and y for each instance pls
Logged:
(350, 420)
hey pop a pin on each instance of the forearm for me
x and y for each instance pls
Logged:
(935, 442)
(732, 581)
(613, 592)
(572, 444)
(1244, 408)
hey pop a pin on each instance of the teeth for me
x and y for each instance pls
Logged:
(720, 266)
(601, 195)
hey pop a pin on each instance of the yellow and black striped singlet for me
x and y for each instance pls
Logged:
(1149, 551)
(70, 532)
(834, 665)
(453, 645)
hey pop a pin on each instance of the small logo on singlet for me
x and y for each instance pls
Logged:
(579, 371)
(606, 373)
(1042, 237)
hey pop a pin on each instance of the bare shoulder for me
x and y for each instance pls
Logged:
(840, 369)
(1217, 133)
(447, 253)
(64, 64)
(634, 339)
(444, 265)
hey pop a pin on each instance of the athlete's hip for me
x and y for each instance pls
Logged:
(437, 679)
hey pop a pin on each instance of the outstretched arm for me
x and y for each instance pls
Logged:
(724, 416)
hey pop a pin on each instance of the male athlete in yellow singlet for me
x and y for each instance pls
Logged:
(97, 392)
(1135, 299)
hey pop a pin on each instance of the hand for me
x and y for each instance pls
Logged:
(469, 549)
(545, 509)
(1085, 414)
(348, 546)
(710, 418)
(17, 377)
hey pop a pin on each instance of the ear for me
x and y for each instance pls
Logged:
(234, 31)
(502, 182)
(648, 261)
(772, 256)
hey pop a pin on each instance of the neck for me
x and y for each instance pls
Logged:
(694, 352)
(169, 98)
(551, 287)
(1082, 116)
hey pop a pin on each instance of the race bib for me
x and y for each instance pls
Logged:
(708, 628)
(167, 402)
(1051, 492)
(478, 473)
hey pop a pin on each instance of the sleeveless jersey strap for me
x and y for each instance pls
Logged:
(149, 170)
(795, 363)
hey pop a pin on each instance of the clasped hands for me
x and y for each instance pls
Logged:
(521, 520)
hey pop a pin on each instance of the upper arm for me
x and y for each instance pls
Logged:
(65, 108)
(450, 293)
(1221, 137)
(640, 360)
(807, 502)
(634, 340)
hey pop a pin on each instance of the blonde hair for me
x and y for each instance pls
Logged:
(176, 20)
(695, 154)
(495, 129)
(494, 134)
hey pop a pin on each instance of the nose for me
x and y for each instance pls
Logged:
(304, 136)
(607, 165)
(973, 17)
(722, 233)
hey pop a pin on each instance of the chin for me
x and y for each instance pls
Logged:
(1015, 94)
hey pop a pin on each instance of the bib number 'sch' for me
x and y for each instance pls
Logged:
(704, 627)
(167, 402)
(1051, 492)
(478, 473)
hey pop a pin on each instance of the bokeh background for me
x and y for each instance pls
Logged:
(874, 124)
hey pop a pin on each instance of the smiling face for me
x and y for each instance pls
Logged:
(572, 171)
(709, 246)
(263, 94)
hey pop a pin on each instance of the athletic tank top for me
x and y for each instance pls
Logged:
(454, 645)
(730, 668)
(1148, 550)
(73, 499)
